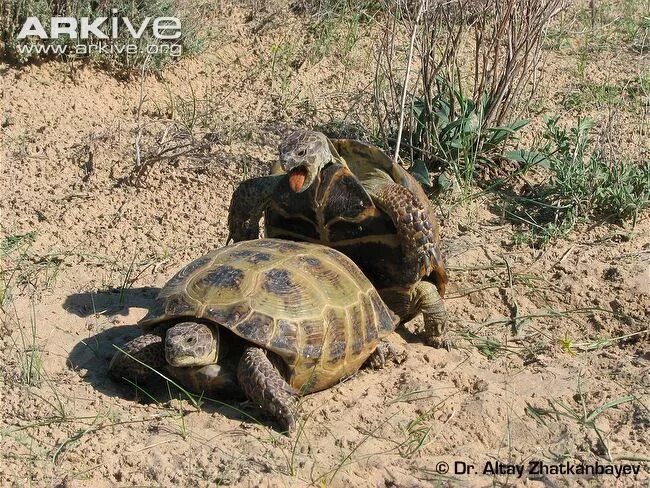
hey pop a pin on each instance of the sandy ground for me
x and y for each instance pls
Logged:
(545, 338)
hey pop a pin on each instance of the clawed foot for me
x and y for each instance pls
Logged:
(265, 386)
(285, 418)
(440, 342)
(426, 257)
(385, 353)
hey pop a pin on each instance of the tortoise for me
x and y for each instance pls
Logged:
(286, 318)
(351, 196)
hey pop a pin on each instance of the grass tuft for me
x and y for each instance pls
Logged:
(584, 416)
(584, 185)
(459, 135)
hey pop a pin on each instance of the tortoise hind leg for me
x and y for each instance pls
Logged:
(138, 357)
(264, 385)
(427, 299)
(418, 234)
(422, 297)
(385, 353)
(247, 205)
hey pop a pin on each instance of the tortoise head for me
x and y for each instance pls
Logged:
(303, 154)
(191, 344)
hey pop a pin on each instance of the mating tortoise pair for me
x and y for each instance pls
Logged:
(288, 318)
(351, 196)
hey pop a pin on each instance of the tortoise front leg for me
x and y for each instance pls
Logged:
(264, 385)
(138, 358)
(248, 202)
(418, 234)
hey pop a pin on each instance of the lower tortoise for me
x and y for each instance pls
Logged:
(278, 318)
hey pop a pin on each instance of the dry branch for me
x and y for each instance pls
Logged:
(488, 49)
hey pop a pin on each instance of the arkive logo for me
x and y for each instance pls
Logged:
(163, 28)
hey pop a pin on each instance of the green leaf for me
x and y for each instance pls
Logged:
(450, 127)
(421, 173)
(444, 181)
(517, 124)
(456, 144)
(614, 403)
(418, 106)
(473, 122)
(528, 158)
(496, 138)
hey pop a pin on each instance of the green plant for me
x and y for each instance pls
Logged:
(499, 76)
(582, 416)
(492, 348)
(641, 37)
(456, 130)
(472, 68)
(29, 355)
(583, 58)
(13, 250)
(583, 184)
(284, 63)
(25, 270)
(606, 25)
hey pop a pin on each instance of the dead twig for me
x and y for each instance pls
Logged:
(423, 3)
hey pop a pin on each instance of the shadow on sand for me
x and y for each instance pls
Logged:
(91, 356)
(112, 301)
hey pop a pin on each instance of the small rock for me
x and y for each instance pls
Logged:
(641, 282)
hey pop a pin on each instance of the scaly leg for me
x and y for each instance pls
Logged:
(264, 385)
(384, 354)
(148, 349)
(247, 205)
(426, 298)
(422, 297)
(419, 235)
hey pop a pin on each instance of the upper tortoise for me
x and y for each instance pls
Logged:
(351, 196)
(289, 317)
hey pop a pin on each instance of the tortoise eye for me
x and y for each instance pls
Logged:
(190, 340)
(301, 152)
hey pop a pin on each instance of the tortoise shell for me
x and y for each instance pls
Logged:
(338, 211)
(307, 303)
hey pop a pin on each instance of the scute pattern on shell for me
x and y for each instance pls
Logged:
(307, 303)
